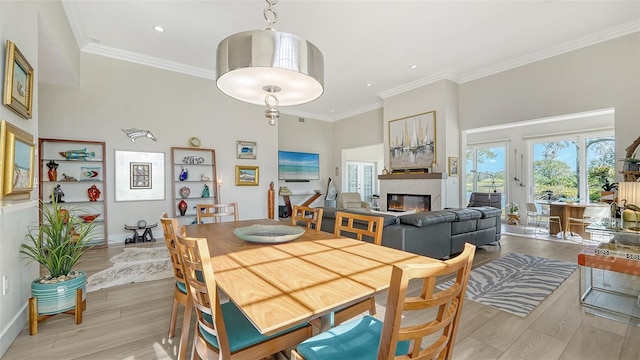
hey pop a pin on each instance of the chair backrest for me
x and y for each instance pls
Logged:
(596, 211)
(440, 329)
(201, 285)
(170, 227)
(216, 212)
(359, 226)
(493, 199)
(531, 207)
(307, 216)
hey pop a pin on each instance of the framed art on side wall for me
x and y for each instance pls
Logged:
(18, 160)
(18, 82)
(453, 166)
(247, 150)
(412, 142)
(247, 175)
(139, 175)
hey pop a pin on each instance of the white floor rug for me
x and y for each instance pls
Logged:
(133, 265)
(517, 283)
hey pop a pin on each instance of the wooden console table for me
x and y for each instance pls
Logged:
(287, 200)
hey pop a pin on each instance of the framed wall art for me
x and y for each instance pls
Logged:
(18, 159)
(247, 150)
(139, 175)
(412, 142)
(247, 175)
(18, 82)
(453, 166)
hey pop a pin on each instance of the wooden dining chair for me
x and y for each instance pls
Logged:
(361, 227)
(421, 326)
(222, 331)
(180, 296)
(216, 212)
(311, 218)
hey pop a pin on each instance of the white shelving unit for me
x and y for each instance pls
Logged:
(82, 172)
(200, 166)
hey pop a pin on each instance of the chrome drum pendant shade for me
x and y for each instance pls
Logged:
(254, 64)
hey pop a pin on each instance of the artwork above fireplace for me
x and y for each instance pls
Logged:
(408, 202)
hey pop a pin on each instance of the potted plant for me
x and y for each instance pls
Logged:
(58, 244)
(631, 163)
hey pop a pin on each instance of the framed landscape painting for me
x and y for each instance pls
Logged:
(247, 175)
(18, 160)
(18, 82)
(412, 142)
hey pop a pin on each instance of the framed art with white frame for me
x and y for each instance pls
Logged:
(139, 175)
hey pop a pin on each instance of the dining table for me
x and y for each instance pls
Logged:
(280, 285)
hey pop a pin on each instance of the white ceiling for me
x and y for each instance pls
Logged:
(362, 41)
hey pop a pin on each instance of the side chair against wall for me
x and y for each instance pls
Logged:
(216, 212)
(311, 218)
(534, 213)
(180, 296)
(222, 331)
(431, 334)
(358, 226)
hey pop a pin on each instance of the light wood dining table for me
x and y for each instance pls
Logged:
(280, 285)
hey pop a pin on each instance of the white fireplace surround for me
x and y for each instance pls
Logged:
(412, 185)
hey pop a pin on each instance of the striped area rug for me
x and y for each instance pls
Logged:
(517, 283)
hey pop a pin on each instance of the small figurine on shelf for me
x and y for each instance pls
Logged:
(94, 193)
(182, 206)
(57, 194)
(205, 191)
(53, 170)
(184, 174)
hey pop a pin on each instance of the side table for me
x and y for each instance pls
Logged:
(513, 219)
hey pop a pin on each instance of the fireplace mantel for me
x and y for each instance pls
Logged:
(401, 176)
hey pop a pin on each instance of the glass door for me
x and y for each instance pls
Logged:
(361, 178)
(486, 169)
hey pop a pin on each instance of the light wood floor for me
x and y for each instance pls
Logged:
(130, 322)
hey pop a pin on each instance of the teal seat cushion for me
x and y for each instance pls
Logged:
(354, 340)
(181, 286)
(240, 331)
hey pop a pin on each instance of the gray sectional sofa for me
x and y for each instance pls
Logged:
(437, 234)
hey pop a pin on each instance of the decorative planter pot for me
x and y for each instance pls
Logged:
(631, 166)
(54, 298)
(184, 192)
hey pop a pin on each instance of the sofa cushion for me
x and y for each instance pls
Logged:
(487, 211)
(424, 219)
(464, 214)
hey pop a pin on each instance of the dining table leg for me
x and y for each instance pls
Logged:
(327, 321)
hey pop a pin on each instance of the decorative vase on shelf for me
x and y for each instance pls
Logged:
(182, 206)
(93, 192)
(205, 191)
(184, 174)
(53, 170)
(184, 192)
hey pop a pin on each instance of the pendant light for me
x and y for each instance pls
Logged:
(270, 67)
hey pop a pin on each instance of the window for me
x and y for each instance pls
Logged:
(486, 165)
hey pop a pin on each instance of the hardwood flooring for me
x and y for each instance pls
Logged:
(130, 322)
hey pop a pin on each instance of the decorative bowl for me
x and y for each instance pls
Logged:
(269, 234)
(88, 217)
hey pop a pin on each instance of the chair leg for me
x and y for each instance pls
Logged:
(174, 316)
(184, 332)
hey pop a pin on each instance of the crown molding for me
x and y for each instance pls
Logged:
(601, 36)
(419, 83)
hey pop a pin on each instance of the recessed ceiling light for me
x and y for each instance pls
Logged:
(413, 66)
(368, 84)
(158, 28)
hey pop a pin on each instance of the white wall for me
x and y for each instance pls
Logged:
(115, 94)
(18, 20)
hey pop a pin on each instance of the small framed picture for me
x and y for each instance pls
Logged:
(247, 175)
(140, 175)
(246, 150)
(453, 166)
(18, 82)
(19, 160)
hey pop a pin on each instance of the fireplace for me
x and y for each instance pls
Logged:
(407, 202)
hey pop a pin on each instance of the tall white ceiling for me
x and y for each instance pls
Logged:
(362, 41)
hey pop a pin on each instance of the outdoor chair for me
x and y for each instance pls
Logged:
(534, 213)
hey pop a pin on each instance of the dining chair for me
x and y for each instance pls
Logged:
(420, 326)
(180, 296)
(311, 218)
(537, 215)
(222, 331)
(361, 227)
(591, 215)
(216, 212)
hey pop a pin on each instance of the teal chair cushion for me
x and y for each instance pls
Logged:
(354, 340)
(240, 331)
(181, 286)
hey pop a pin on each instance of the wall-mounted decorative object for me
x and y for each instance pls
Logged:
(412, 142)
(94, 193)
(247, 175)
(453, 166)
(194, 142)
(18, 160)
(80, 154)
(18, 82)
(88, 173)
(139, 175)
(135, 134)
(247, 150)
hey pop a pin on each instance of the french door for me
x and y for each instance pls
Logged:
(361, 178)
(486, 169)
